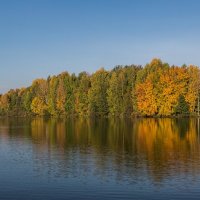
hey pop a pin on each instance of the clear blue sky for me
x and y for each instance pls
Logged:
(45, 37)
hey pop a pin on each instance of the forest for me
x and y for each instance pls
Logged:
(157, 89)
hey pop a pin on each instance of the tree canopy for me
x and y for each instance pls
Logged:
(157, 89)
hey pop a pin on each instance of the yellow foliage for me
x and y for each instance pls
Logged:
(146, 100)
(193, 87)
(172, 84)
(38, 106)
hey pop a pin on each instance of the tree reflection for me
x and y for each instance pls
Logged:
(125, 149)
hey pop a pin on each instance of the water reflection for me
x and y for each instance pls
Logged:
(130, 150)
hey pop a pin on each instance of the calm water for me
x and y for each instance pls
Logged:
(99, 159)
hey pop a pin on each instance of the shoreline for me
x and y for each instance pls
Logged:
(97, 116)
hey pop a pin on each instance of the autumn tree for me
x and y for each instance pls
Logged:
(147, 87)
(173, 83)
(38, 106)
(5, 103)
(146, 98)
(193, 87)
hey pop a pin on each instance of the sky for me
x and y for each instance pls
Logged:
(46, 37)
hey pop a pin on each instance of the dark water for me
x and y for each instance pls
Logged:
(99, 159)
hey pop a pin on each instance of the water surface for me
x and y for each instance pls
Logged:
(99, 159)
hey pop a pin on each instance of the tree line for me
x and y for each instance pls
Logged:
(157, 89)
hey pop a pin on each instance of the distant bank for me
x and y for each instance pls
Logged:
(155, 90)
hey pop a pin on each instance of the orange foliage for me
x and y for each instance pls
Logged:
(146, 100)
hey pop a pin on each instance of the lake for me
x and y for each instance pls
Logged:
(45, 158)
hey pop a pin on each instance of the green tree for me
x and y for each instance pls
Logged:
(82, 102)
(115, 98)
(27, 100)
(52, 85)
(98, 93)
(182, 107)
